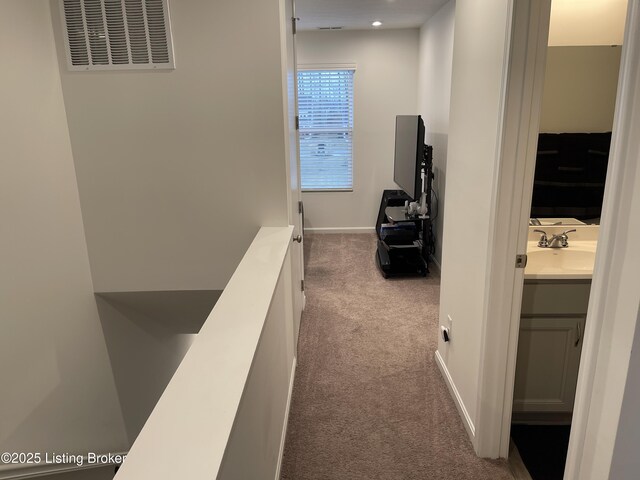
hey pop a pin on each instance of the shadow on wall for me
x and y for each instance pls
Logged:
(147, 335)
(439, 143)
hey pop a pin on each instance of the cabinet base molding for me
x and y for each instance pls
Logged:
(542, 418)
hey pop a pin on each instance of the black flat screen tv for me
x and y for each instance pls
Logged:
(409, 154)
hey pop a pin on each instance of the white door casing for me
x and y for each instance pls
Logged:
(293, 162)
(612, 305)
(513, 190)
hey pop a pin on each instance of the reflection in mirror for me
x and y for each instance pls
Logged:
(573, 146)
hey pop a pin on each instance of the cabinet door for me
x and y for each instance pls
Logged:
(547, 364)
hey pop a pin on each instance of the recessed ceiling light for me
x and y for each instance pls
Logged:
(377, 23)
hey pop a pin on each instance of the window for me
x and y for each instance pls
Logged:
(325, 107)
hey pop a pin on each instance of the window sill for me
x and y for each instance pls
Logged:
(327, 190)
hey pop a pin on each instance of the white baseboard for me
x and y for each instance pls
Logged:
(341, 230)
(462, 410)
(286, 418)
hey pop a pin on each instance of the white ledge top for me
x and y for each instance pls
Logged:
(188, 430)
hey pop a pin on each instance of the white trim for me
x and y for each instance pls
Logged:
(292, 150)
(609, 329)
(341, 230)
(286, 418)
(462, 409)
(326, 66)
(494, 338)
(327, 190)
(610, 325)
(22, 471)
(514, 181)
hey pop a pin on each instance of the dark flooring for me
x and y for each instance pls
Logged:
(543, 449)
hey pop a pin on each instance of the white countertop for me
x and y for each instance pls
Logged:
(574, 262)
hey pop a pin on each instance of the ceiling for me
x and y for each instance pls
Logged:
(358, 14)
(573, 22)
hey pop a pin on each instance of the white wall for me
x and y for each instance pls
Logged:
(385, 85)
(580, 88)
(229, 422)
(434, 95)
(177, 170)
(147, 335)
(58, 391)
(479, 62)
(587, 22)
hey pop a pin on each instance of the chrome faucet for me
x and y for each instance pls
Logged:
(544, 242)
(560, 240)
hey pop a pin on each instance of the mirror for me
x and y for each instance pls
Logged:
(575, 134)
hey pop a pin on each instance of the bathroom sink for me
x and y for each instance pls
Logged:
(573, 262)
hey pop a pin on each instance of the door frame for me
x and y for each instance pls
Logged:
(292, 153)
(600, 382)
(509, 220)
(610, 324)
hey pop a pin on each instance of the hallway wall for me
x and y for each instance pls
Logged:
(385, 85)
(434, 99)
(58, 391)
(178, 169)
(479, 72)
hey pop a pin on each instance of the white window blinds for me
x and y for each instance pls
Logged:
(325, 107)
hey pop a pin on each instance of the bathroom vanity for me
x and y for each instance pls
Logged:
(552, 324)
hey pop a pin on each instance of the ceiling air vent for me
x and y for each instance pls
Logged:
(117, 34)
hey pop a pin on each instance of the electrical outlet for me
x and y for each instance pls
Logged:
(444, 331)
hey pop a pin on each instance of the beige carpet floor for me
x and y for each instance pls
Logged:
(368, 399)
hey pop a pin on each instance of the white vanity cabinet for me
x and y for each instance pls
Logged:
(549, 346)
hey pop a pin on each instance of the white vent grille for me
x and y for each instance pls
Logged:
(117, 34)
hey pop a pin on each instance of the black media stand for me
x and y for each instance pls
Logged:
(405, 241)
(400, 248)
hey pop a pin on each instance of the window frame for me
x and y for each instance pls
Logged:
(331, 67)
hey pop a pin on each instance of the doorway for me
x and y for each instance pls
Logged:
(576, 120)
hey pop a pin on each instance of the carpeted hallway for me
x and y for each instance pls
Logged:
(368, 399)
